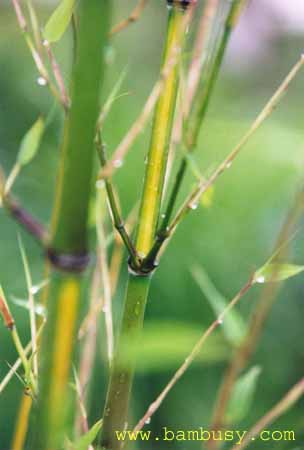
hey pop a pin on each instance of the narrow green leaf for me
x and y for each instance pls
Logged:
(242, 396)
(88, 438)
(59, 21)
(275, 272)
(30, 143)
(234, 326)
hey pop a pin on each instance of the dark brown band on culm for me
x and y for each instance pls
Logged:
(184, 4)
(68, 262)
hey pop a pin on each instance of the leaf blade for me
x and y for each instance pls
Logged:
(59, 21)
(275, 272)
(30, 142)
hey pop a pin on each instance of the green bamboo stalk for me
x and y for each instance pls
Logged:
(123, 366)
(194, 121)
(68, 248)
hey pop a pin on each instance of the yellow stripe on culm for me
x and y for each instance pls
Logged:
(68, 299)
(22, 423)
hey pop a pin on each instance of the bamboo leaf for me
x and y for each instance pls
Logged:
(234, 326)
(242, 395)
(87, 439)
(30, 143)
(274, 272)
(59, 21)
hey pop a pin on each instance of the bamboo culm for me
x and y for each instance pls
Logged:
(123, 366)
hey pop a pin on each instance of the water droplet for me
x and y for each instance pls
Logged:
(100, 184)
(163, 216)
(105, 308)
(41, 81)
(148, 421)
(146, 160)
(260, 279)
(45, 43)
(117, 163)
(194, 206)
(137, 309)
(220, 321)
(228, 165)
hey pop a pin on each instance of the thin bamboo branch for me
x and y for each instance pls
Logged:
(114, 210)
(44, 79)
(133, 17)
(119, 154)
(123, 367)
(200, 88)
(195, 351)
(257, 321)
(292, 397)
(191, 202)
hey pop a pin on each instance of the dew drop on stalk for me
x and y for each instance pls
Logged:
(41, 81)
(194, 206)
(45, 43)
(117, 163)
(260, 279)
(100, 184)
(163, 215)
(220, 321)
(148, 421)
(228, 165)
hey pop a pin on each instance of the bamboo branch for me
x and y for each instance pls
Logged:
(119, 154)
(292, 397)
(133, 17)
(192, 200)
(188, 361)
(122, 370)
(115, 214)
(44, 79)
(200, 88)
(261, 312)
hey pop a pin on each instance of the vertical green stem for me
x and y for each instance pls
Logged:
(68, 249)
(122, 370)
(195, 119)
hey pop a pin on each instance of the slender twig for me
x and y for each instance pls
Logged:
(292, 396)
(261, 312)
(105, 280)
(191, 202)
(119, 154)
(57, 74)
(31, 301)
(10, 324)
(133, 17)
(188, 361)
(122, 369)
(200, 88)
(25, 219)
(18, 362)
(38, 60)
(116, 217)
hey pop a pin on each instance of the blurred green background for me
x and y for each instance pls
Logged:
(230, 238)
